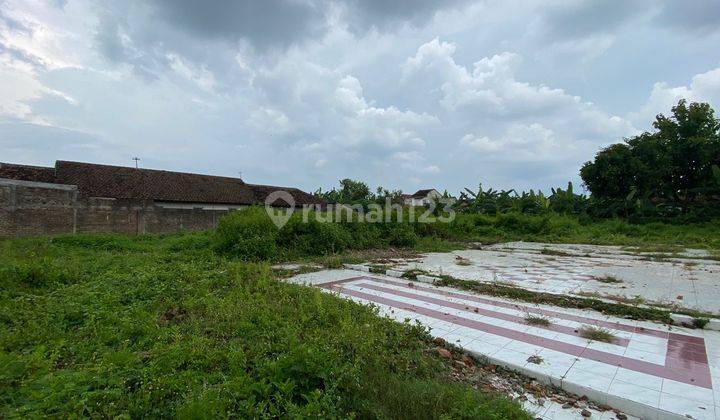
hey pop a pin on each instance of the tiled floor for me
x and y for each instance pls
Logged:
(687, 283)
(648, 370)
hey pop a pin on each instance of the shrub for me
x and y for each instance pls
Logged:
(312, 237)
(111, 242)
(364, 235)
(248, 234)
(37, 273)
(401, 234)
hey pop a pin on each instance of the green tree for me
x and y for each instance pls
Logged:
(670, 168)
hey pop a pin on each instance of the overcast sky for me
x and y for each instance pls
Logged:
(406, 94)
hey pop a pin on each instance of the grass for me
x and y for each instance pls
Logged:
(197, 325)
(111, 326)
(548, 251)
(700, 323)
(554, 228)
(607, 279)
(537, 320)
(462, 261)
(630, 310)
(596, 334)
(413, 273)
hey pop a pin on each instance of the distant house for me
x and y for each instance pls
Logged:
(422, 197)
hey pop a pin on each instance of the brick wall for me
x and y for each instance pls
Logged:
(34, 208)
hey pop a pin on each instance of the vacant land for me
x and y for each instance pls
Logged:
(107, 326)
(197, 325)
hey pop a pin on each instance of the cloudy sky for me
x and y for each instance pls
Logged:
(405, 93)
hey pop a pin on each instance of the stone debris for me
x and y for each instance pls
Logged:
(492, 378)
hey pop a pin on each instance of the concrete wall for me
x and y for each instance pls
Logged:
(33, 208)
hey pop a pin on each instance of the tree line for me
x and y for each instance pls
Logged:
(671, 172)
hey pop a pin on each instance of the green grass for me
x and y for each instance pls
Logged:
(596, 334)
(553, 228)
(111, 326)
(512, 292)
(607, 279)
(537, 320)
(548, 251)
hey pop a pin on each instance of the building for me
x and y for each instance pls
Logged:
(422, 197)
(75, 197)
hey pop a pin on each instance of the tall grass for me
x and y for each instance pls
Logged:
(159, 327)
(250, 235)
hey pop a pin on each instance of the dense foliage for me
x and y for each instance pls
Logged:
(316, 237)
(304, 236)
(358, 192)
(117, 327)
(673, 170)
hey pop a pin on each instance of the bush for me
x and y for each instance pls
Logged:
(37, 273)
(364, 235)
(110, 242)
(248, 234)
(160, 335)
(312, 237)
(401, 234)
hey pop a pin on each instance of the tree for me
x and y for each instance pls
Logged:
(670, 167)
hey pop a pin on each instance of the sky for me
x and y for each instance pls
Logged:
(407, 94)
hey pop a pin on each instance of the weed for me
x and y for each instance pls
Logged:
(535, 359)
(700, 323)
(160, 327)
(537, 320)
(596, 334)
(413, 273)
(462, 261)
(607, 279)
(548, 251)
(509, 291)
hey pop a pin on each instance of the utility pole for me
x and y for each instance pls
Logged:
(136, 159)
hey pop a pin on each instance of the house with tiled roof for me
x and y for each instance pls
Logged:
(105, 198)
(422, 197)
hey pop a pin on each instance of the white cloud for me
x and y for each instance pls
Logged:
(513, 95)
(480, 143)
(507, 117)
(704, 87)
(521, 143)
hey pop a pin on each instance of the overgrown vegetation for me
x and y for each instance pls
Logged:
(537, 320)
(700, 323)
(607, 279)
(508, 291)
(596, 334)
(250, 234)
(113, 326)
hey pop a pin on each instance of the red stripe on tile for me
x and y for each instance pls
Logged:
(546, 312)
(480, 311)
(691, 373)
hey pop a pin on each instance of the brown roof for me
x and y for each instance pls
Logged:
(300, 197)
(27, 173)
(149, 184)
(123, 182)
(422, 193)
